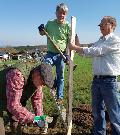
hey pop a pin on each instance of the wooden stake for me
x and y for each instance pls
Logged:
(70, 77)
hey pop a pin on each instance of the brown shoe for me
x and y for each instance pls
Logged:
(59, 101)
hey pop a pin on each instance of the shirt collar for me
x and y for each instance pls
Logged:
(106, 37)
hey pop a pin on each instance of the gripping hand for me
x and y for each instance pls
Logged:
(41, 27)
(67, 58)
(42, 121)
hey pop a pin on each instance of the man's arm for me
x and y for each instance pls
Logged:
(37, 102)
(76, 48)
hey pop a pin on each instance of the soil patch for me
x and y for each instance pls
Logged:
(82, 124)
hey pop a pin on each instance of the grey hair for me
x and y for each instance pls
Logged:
(62, 6)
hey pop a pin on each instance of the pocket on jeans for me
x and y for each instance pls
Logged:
(110, 80)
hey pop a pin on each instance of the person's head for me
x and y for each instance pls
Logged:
(42, 75)
(107, 25)
(61, 13)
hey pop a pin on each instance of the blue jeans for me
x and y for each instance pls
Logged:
(56, 60)
(105, 94)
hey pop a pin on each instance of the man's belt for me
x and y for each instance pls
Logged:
(104, 76)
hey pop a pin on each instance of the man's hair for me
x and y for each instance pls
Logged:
(62, 6)
(111, 20)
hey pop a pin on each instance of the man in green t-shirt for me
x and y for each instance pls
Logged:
(59, 31)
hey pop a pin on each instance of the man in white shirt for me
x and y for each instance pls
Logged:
(106, 68)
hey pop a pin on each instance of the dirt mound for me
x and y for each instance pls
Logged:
(82, 119)
(82, 124)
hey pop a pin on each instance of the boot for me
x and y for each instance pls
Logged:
(16, 127)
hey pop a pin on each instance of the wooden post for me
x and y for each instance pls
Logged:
(70, 78)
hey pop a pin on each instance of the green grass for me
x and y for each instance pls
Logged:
(82, 77)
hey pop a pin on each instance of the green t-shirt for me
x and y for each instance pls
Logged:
(59, 33)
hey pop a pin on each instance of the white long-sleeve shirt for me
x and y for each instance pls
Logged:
(106, 55)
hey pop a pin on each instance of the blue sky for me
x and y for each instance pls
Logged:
(19, 19)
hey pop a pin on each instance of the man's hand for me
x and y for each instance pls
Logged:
(76, 48)
(41, 123)
(67, 58)
(42, 120)
(41, 28)
(71, 46)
